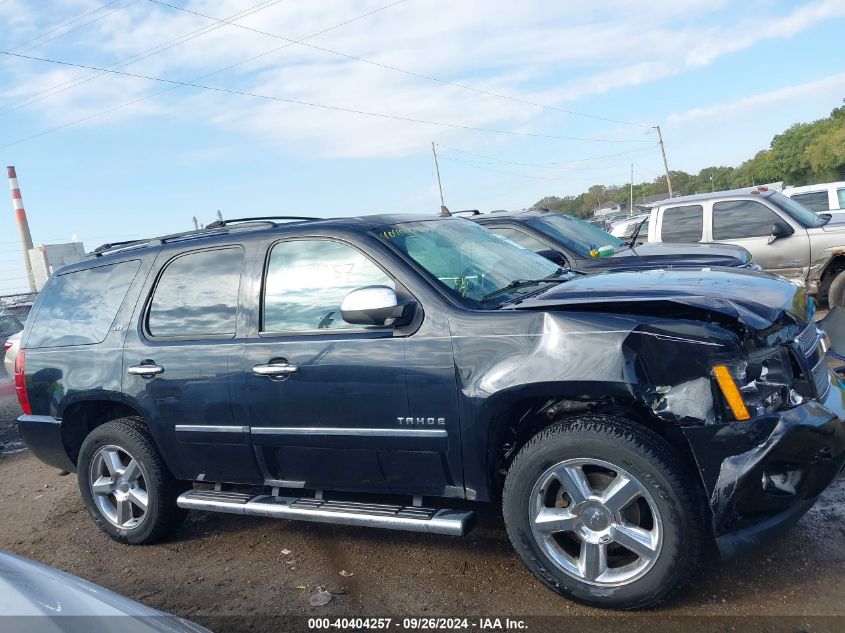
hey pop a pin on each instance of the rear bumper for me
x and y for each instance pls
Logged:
(42, 434)
(761, 476)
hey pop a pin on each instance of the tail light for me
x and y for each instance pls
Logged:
(20, 382)
(6, 346)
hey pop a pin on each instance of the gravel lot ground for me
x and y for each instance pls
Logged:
(233, 573)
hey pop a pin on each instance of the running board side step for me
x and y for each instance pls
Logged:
(395, 517)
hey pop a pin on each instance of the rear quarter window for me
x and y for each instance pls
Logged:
(682, 224)
(78, 308)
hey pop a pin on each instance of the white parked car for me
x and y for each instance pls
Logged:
(10, 351)
(624, 229)
(826, 197)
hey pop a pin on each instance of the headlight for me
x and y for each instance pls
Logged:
(760, 385)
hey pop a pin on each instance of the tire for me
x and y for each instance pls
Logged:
(118, 505)
(665, 512)
(836, 291)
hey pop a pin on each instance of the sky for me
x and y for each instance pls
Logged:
(330, 107)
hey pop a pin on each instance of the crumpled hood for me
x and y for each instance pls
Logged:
(755, 299)
(673, 255)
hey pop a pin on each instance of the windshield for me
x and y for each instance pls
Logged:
(576, 235)
(465, 258)
(796, 211)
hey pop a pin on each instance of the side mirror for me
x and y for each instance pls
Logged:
(780, 229)
(553, 256)
(375, 305)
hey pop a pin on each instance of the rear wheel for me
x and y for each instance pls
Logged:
(601, 511)
(125, 484)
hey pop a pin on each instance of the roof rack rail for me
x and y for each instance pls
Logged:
(293, 218)
(445, 212)
(218, 226)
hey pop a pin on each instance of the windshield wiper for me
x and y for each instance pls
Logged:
(519, 283)
(636, 233)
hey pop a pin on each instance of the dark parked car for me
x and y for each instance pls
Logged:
(19, 310)
(307, 370)
(581, 246)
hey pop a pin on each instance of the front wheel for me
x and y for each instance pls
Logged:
(126, 487)
(601, 511)
(836, 291)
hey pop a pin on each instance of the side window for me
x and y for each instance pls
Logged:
(742, 218)
(197, 295)
(815, 201)
(682, 224)
(79, 308)
(306, 282)
(522, 239)
(841, 195)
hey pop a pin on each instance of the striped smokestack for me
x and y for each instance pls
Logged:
(23, 225)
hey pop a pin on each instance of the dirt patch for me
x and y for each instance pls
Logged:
(221, 565)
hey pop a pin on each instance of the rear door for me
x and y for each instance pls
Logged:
(178, 362)
(340, 417)
(682, 224)
(748, 223)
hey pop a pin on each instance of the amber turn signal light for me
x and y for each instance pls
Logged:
(731, 392)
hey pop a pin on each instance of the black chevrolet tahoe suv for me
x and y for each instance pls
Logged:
(389, 371)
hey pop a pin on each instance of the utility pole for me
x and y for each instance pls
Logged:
(443, 209)
(23, 225)
(665, 162)
(631, 209)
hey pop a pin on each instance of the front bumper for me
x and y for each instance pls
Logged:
(762, 475)
(42, 434)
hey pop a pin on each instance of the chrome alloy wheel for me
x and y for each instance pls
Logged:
(596, 522)
(119, 486)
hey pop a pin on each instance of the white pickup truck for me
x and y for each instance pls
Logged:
(822, 198)
(783, 236)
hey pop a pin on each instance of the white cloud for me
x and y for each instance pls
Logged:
(825, 90)
(556, 53)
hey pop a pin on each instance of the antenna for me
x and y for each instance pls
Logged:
(443, 209)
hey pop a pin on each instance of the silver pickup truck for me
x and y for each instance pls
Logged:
(783, 236)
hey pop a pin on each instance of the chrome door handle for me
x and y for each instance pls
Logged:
(147, 370)
(275, 369)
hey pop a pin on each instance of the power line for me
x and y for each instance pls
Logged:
(548, 164)
(34, 41)
(500, 171)
(310, 104)
(404, 71)
(155, 50)
(201, 77)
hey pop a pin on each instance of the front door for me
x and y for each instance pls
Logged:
(748, 223)
(180, 364)
(323, 397)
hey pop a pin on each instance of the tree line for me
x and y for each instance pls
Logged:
(805, 153)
